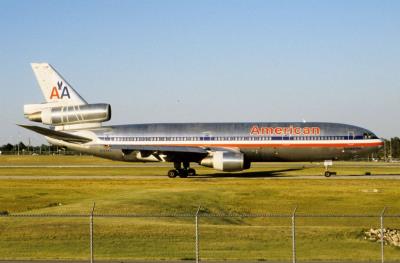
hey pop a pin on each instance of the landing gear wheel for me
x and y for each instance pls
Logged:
(327, 174)
(183, 173)
(172, 173)
(191, 172)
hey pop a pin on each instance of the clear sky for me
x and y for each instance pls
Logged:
(211, 61)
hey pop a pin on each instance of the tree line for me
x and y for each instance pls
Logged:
(391, 149)
(23, 149)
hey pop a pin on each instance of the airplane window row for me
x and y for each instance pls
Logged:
(231, 138)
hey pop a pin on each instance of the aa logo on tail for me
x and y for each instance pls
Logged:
(55, 92)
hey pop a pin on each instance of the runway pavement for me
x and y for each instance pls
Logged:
(160, 165)
(225, 176)
(85, 166)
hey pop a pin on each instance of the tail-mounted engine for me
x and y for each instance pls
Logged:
(68, 115)
(226, 161)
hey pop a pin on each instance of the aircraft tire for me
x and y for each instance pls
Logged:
(191, 172)
(327, 174)
(183, 173)
(172, 173)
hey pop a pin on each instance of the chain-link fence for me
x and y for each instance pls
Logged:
(201, 236)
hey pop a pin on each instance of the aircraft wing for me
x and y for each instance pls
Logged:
(155, 148)
(170, 153)
(57, 134)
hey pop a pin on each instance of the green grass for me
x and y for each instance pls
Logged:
(107, 167)
(173, 238)
(53, 160)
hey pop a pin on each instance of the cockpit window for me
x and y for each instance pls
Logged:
(368, 135)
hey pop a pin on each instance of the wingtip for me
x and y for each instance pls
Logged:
(23, 126)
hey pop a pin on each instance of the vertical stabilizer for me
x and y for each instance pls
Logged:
(54, 87)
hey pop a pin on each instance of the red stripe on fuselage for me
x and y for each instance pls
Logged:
(288, 145)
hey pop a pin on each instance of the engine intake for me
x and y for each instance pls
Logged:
(76, 114)
(226, 161)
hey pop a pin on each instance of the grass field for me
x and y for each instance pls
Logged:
(88, 165)
(173, 238)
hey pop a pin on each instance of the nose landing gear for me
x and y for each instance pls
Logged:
(181, 172)
(328, 173)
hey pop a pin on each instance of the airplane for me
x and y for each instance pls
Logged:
(229, 147)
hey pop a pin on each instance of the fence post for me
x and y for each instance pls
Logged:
(294, 235)
(382, 237)
(197, 235)
(91, 233)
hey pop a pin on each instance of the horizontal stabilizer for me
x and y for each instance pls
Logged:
(57, 134)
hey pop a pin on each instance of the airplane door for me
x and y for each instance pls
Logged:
(351, 135)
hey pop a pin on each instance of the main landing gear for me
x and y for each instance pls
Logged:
(181, 172)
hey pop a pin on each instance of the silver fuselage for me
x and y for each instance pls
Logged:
(259, 142)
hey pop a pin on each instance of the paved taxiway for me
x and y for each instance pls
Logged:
(83, 166)
(155, 165)
(259, 177)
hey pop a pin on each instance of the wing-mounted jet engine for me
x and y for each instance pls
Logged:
(227, 161)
